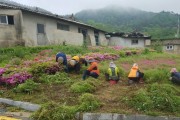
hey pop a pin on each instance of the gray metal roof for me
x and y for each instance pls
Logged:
(37, 10)
(13, 4)
(171, 42)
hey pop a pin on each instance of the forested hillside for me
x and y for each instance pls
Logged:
(161, 25)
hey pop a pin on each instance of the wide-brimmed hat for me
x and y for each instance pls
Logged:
(60, 60)
(111, 64)
(173, 70)
(135, 65)
(72, 62)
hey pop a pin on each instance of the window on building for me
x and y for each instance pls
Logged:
(11, 20)
(61, 26)
(169, 47)
(134, 42)
(7, 19)
(40, 28)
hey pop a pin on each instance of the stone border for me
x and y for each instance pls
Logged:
(113, 116)
(23, 105)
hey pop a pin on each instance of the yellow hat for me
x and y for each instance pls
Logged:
(76, 58)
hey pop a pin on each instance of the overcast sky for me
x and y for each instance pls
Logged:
(63, 7)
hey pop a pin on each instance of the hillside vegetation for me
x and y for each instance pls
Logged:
(31, 74)
(162, 25)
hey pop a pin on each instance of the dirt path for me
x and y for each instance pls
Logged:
(112, 95)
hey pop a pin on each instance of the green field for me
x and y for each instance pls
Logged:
(67, 93)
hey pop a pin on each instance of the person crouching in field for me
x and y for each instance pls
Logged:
(112, 74)
(92, 70)
(135, 75)
(75, 63)
(175, 76)
(62, 60)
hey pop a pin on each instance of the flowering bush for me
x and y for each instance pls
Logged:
(117, 47)
(16, 78)
(52, 69)
(2, 70)
(102, 57)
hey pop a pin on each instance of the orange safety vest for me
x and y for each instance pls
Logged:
(133, 71)
(94, 67)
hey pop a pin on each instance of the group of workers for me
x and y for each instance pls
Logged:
(112, 74)
(74, 64)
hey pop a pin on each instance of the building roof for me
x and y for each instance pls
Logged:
(128, 35)
(40, 11)
(171, 42)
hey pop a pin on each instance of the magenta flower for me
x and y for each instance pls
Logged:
(2, 70)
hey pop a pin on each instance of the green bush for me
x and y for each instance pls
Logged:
(15, 61)
(38, 69)
(19, 52)
(162, 97)
(28, 86)
(53, 111)
(65, 113)
(141, 101)
(82, 87)
(146, 51)
(156, 75)
(165, 97)
(88, 102)
(55, 79)
(122, 54)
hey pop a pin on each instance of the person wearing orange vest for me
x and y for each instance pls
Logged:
(92, 70)
(135, 75)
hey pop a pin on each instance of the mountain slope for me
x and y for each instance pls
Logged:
(114, 18)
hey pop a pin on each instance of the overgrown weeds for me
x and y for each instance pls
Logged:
(158, 97)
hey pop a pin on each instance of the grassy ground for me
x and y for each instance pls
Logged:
(113, 98)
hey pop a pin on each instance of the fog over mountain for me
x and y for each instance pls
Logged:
(126, 19)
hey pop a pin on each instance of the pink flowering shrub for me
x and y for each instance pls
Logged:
(101, 57)
(117, 47)
(15, 79)
(51, 70)
(2, 70)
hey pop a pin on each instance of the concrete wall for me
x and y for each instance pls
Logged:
(53, 35)
(102, 39)
(25, 31)
(176, 49)
(11, 34)
(125, 42)
(114, 116)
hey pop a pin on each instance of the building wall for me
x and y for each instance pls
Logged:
(125, 42)
(25, 31)
(52, 34)
(11, 34)
(102, 39)
(176, 49)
